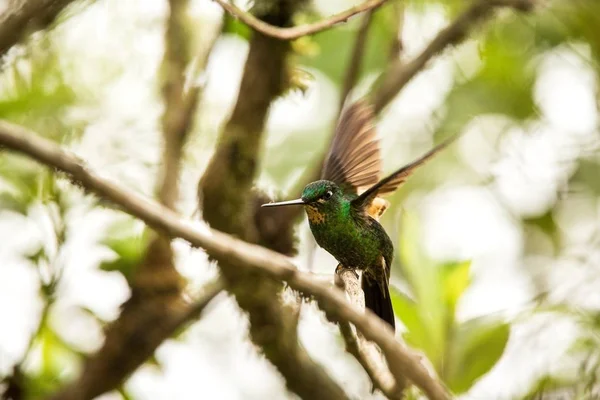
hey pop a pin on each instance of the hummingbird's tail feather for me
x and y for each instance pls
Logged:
(378, 299)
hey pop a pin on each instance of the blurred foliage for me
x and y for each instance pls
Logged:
(330, 50)
(42, 374)
(461, 352)
(582, 377)
(35, 91)
(128, 245)
(235, 27)
(502, 85)
(587, 173)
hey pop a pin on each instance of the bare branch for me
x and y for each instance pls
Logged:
(399, 73)
(179, 105)
(297, 31)
(356, 58)
(397, 44)
(364, 351)
(223, 247)
(25, 16)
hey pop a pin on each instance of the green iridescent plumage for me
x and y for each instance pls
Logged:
(343, 207)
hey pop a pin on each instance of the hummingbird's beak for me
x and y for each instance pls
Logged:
(285, 203)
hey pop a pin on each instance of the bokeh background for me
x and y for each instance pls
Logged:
(497, 264)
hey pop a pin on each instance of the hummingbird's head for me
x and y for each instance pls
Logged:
(320, 193)
(319, 198)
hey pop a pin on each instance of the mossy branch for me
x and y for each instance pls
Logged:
(245, 257)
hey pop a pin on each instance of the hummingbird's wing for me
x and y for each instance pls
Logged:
(391, 182)
(354, 160)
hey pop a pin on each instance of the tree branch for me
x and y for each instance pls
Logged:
(228, 203)
(398, 44)
(223, 247)
(365, 352)
(179, 105)
(22, 17)
(399, 73)
(356, 58)
(297, 31)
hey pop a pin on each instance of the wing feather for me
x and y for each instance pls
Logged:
(391, 182)
(354, 159)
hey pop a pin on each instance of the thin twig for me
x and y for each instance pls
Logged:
(399, 73)
(356, 58)
(397, 43)
(297, 31)
(401, 361)
(180, 104)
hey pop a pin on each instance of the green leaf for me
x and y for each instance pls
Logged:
(424, 279)
(234, 26)
(407, 310)
(128, 245)
(578, 22)
(129, 254)
(477, 346)
(12, 202)
(551, 386)
(502, 85)
(125, 395)
(56, 358)
(21, 180)
(456, 278)
(35, 92)
(587, 174)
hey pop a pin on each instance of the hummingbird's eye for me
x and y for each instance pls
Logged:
(328, 195)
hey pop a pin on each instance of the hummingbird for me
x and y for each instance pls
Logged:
(344, 206)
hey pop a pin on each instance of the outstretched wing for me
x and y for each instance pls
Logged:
(391, 182)
(354, 160)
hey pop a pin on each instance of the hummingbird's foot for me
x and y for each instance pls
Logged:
(340, 267)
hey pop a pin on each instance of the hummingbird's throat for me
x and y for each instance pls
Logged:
(314, 216)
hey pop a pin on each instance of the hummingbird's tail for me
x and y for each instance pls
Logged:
(378, 300)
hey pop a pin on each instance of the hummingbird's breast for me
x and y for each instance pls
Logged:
(355, 240)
